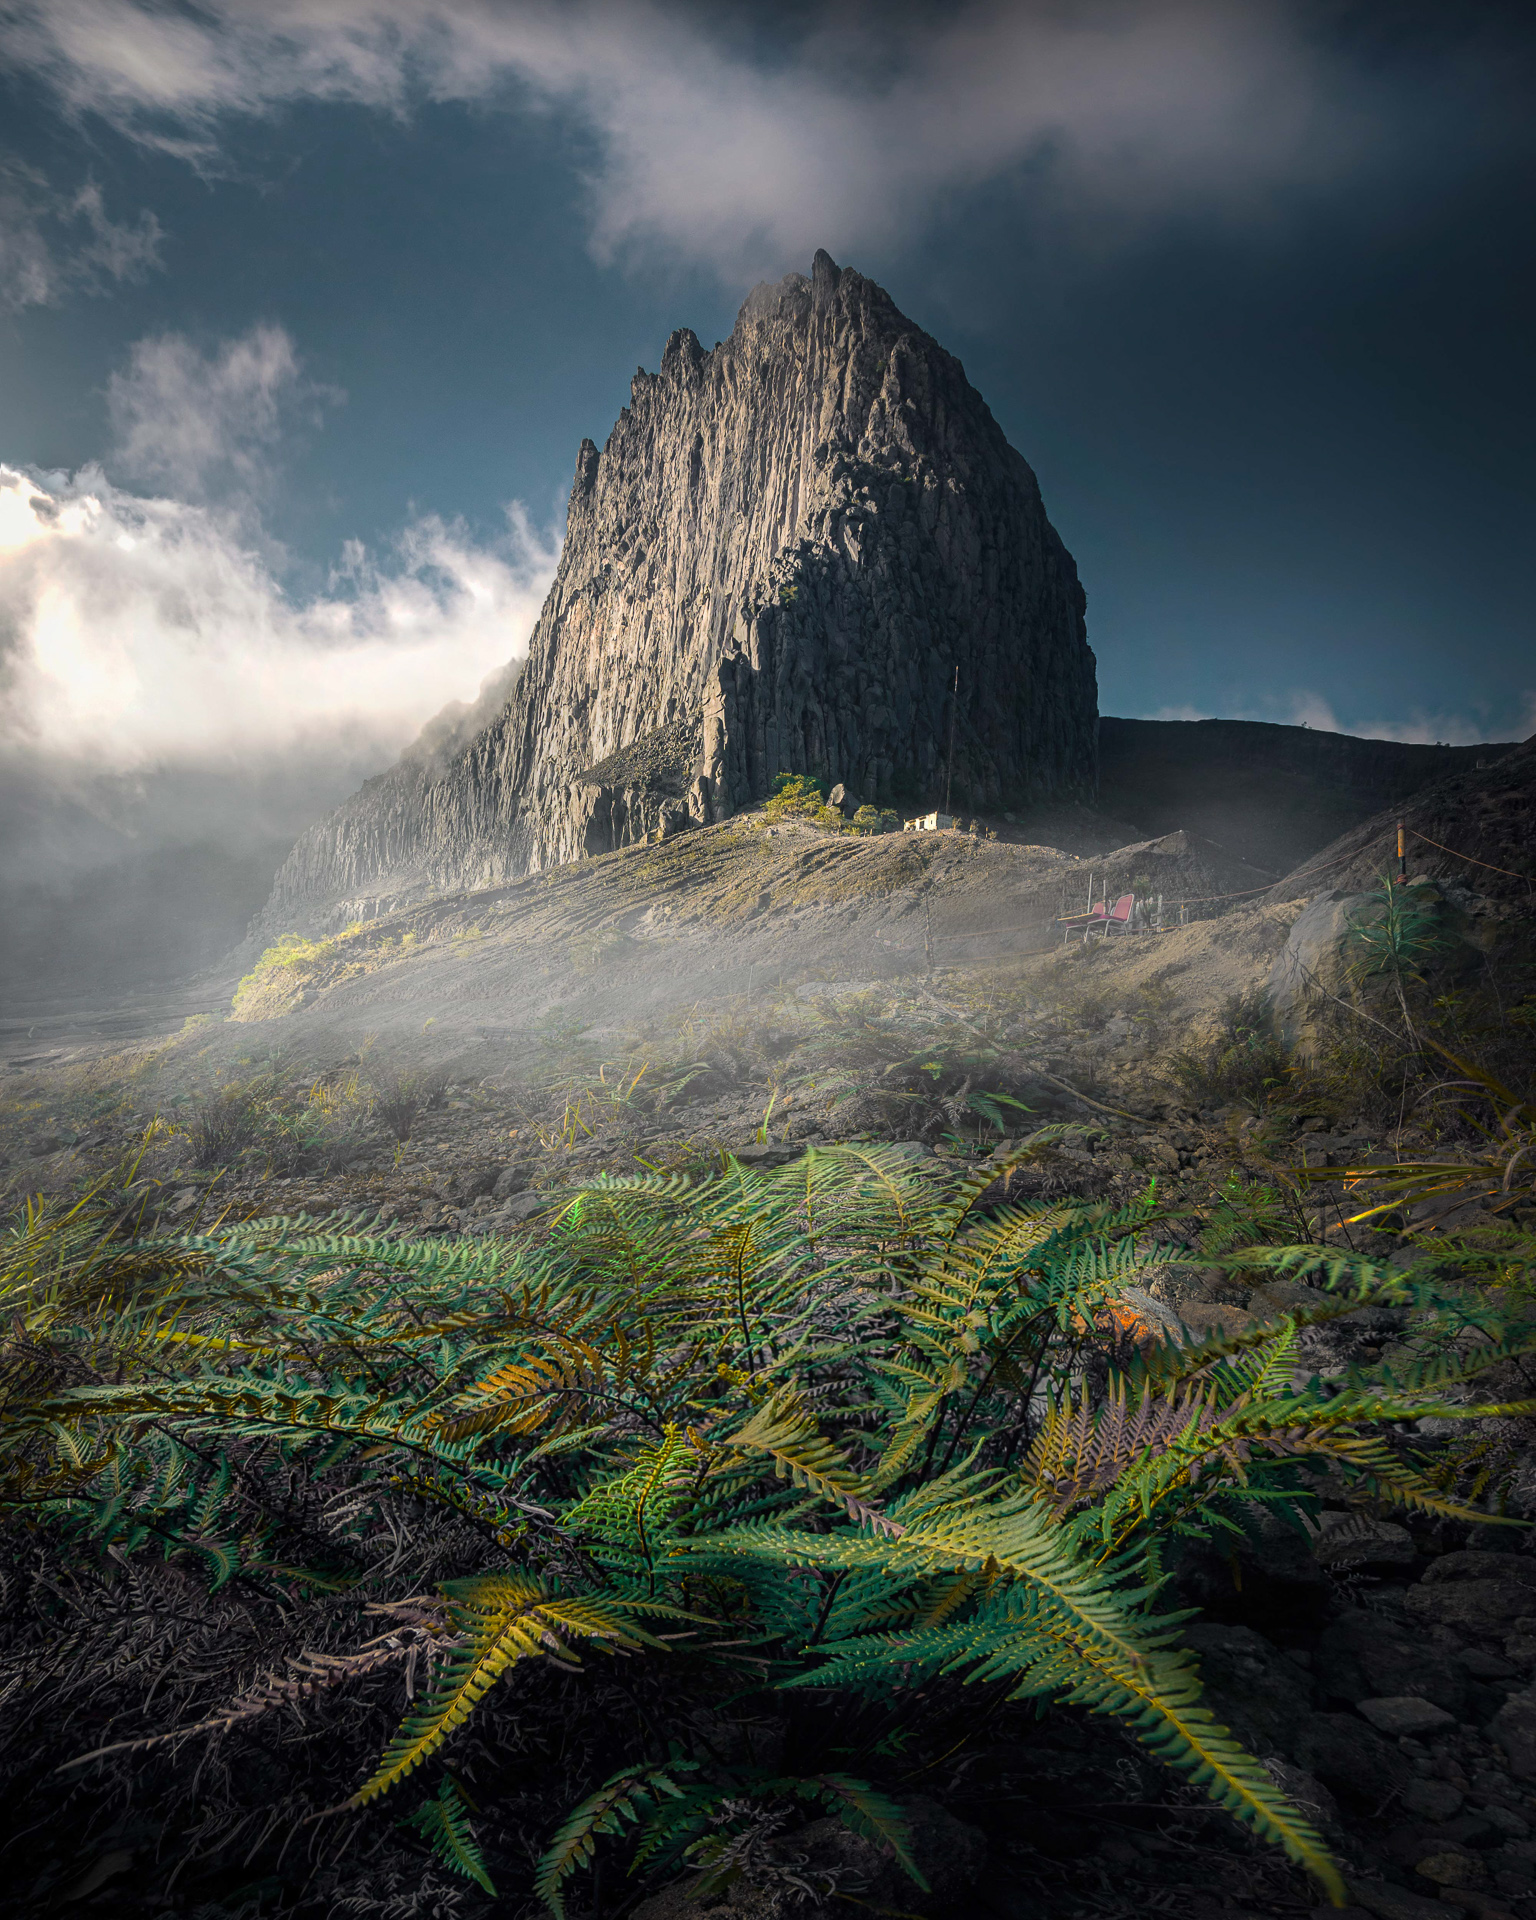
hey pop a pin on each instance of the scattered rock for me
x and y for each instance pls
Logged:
(1304, 1790)
(1157, 1153)
(1393, 1903)
(1251, 1686)
(1364, 1656)
(1350, 1758)
(765, 1154)
(1433, 1799)
(1357, 1537)
(1452, 1868)
(1513, 1728)
(1403, 1713)
(524, 1206)
(1479, 1564)
(1483, 1665)
(1487, 1608)
(1479, 1904)
(510, 1180)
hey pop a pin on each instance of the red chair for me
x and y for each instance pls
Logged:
(1101, 919)
(1083, 923)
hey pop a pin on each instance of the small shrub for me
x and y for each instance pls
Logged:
(590, 952)
(400, 1098)
(801, 796)
(276, 983)
(225, 1127)
(1246, 1062)
(1398, 932)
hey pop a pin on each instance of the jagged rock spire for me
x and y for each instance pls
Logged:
(777, 562)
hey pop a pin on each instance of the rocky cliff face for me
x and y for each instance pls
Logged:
(779, 561)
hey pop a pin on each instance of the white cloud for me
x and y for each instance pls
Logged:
(189, 421)
(52, 243)
(1437, 729)
(848, 137)
(141, 633)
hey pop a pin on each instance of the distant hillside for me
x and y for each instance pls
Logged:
(1271, 795)
(1475, 829)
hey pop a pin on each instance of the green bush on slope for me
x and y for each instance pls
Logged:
(826, 1434)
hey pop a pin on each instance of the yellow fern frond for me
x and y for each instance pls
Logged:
(505, 1617)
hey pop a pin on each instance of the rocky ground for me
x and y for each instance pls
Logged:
(759, 989)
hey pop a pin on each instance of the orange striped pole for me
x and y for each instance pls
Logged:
(1402, 856)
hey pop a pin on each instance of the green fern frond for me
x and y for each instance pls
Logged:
(871, 1814)
(636, 1508)
(443, 1822)
(783, 1429)
(623, 1796)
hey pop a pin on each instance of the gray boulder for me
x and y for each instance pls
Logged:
(1349, 1537)
(1474, 1564)
(1251, 1686)
(523, 1206)
(1363, 1656)
(1513, 1728)
(1435, 1800)
(1321, 958)
(1485, 1609)
(1387, 1902)
(1405, 1713)
(1350, 1759)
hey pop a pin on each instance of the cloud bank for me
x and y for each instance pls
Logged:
(158, 678)
(745, 151)
(141, 630)
(194, 423)
(155, 678)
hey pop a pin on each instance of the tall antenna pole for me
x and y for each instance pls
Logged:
(954, 702)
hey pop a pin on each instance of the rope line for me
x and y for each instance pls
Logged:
(1471, 860)
(1243, 893)
(1317, 867)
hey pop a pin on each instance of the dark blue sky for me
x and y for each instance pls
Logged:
(1249, 286)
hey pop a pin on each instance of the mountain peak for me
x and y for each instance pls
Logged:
(784, 552)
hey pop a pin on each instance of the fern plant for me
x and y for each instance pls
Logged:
(826, 1431)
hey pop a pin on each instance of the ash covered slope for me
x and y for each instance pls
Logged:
(777, 562)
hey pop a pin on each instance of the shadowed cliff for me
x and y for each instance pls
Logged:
(786, 550)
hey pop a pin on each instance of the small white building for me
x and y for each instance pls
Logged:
(929, 823)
